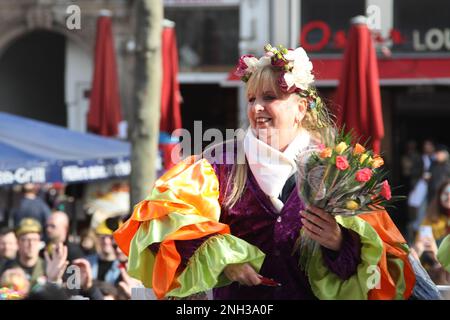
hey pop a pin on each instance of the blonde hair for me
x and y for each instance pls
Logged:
(317, 123)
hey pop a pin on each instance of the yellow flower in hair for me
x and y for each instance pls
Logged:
(351, 205)
(341, 147)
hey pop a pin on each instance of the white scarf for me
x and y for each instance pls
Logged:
(271, 167)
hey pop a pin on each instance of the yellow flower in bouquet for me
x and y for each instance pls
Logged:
(341, 147)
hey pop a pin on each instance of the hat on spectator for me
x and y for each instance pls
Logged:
(28, 225)
(108, 226)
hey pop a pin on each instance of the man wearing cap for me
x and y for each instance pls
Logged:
(28, 235)
(105, 265)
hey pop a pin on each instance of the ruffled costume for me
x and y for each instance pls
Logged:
(180, 239)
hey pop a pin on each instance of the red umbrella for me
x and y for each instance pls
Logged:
(104, 110)
(358, 94)
(170, 94)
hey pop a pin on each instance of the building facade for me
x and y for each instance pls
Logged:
(46, 66)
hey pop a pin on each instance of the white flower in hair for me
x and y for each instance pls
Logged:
(263, 61)
(301, 74)
(252, 64)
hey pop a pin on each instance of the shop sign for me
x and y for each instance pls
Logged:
(430, 40)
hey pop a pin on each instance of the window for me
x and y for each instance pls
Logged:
(207, 37)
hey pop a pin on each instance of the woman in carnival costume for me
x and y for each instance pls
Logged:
(228, 219)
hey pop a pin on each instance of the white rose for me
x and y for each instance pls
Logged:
(252, 64)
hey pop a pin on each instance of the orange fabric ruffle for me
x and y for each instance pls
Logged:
(392, 240)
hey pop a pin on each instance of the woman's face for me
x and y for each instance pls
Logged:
(274, 117)
(445, 197)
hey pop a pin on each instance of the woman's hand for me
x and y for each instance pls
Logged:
(242, 273)
(322, 227)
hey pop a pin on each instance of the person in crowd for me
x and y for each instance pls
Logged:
(408, 161)
(56, 197)
(57, 229)
(8, 246)
(438, 213)
(28, 235)
(439, 170)
(229, 220)
(427, 251)
(88, 241)
(104, 263)
(418, 197)
(31, 206)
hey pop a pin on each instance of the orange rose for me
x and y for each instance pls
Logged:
(377, 162)
(358, 149)
(326, 153)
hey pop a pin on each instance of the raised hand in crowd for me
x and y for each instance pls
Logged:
(128, 283)
(426, 244)
(56, 263)
(87, 281)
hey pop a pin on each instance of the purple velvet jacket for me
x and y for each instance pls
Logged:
(254, 219)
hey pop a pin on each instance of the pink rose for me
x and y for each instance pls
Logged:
(386, 190)
(363, 175)
(341, 163)
(242, 66)
(321, 146)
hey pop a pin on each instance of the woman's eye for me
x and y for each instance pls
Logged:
(252, 99)
(269, 98)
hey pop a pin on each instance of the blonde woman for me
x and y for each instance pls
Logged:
(229, 220)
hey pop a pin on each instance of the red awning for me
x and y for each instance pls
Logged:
(393, 71)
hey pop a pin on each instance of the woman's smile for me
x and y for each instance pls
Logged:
(263, 121)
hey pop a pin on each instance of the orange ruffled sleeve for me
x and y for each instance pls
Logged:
(393, 246)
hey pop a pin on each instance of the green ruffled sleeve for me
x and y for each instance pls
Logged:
(141, 259)
(326, 285)
(444, 253)
(204, 269)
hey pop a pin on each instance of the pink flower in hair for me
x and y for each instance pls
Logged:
(283, 85)
(243, 65)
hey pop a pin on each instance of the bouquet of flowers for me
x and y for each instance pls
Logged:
(342, 179)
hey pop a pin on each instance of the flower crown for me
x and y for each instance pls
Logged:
(296, 75)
